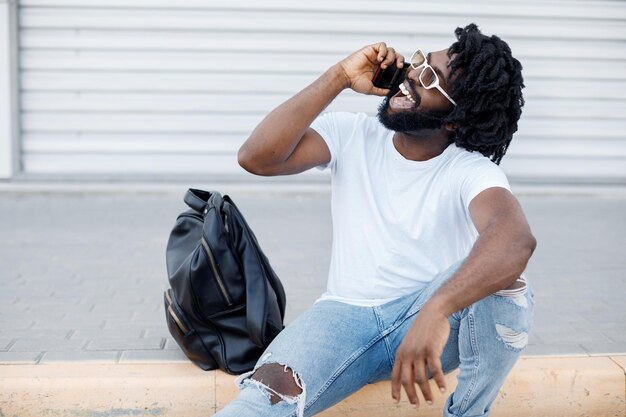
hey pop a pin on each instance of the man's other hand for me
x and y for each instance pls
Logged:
(420, 351)
(359, 68)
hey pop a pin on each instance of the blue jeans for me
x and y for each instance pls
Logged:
(333, 349)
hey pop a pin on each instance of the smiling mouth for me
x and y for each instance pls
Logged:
(404, 99)
(404, 90)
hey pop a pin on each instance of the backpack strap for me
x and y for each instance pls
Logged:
(261, 297)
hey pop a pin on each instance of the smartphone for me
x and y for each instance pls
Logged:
(390, 77)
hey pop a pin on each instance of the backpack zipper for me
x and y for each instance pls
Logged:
(170, 310)
(218, 277)
(177, 320)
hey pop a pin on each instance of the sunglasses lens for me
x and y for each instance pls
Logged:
(428, 77)
(417, 59)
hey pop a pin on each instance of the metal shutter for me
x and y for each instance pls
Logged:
(137, 88)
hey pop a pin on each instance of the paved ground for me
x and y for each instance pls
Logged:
(82, 274)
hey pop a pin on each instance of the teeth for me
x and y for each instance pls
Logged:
(406, 92)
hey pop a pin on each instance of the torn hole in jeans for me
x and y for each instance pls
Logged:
(516, 292)
(516, 340)
(265, 387)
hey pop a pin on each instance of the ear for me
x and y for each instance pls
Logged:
(450, 127)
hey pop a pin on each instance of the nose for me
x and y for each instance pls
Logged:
(413, 76)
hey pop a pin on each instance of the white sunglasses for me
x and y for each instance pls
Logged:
(428, 77)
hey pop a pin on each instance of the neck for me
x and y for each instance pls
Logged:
(422, 145)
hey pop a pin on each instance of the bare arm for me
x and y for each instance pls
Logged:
(497, 259)
(283, 143)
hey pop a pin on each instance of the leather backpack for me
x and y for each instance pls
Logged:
(225, 304)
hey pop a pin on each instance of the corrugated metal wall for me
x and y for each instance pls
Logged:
(154, 87)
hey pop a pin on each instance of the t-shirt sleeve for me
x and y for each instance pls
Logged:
(336, 128)
(479, 175)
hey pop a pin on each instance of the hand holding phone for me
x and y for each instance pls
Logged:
(359, 67)
(390, 77)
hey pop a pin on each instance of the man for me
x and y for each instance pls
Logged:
(429, 244)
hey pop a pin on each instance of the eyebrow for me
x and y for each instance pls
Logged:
(437, 70)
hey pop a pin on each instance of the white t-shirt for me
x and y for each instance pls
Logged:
(396, 222)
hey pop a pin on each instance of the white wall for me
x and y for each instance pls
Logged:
(161, 87)
(7, 121)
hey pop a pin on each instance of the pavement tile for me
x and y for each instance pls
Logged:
(605, 326)
(37, 333)
(148, 316)
(5, 342)
(113, 306)
(16, 323)
(40, 345)
(117, 343)
(170, 344)
(105, 356)
(12, 310)
(129, 297)
(153, 356)
(574, 337)
(65, 324)
(29, 292)
(87, 318)
(20, 357)
(616, 335)
(94, 333)
(102, 314)
(554, 349)
(115, 323)
(158, 330)
(603, 348)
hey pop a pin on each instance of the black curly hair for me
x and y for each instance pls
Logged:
(487, 87)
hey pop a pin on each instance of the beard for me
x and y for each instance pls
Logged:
(409, 120)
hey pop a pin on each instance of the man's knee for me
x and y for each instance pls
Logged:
(280, 379)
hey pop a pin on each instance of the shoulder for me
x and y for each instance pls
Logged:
(472, 173)
(469, 161)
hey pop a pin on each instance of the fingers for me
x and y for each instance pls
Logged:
(400, 60)
(421, 378)
(382, 51)
(395, 381)
(408, 382)
(406, 375)
(434, 364)
(388, 56)
(379, 91)
(402, 376)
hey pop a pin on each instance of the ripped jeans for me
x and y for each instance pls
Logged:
(333, 349)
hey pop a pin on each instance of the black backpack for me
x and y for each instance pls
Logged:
(226, 303)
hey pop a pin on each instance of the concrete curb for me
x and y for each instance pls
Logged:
(537, 386)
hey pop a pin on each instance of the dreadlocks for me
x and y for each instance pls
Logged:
(487, 90)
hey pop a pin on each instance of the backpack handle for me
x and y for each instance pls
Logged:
(198, 199)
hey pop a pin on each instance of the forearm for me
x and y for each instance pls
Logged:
(276, 137)
(498, 257)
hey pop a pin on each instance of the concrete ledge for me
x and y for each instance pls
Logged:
(538, 386)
